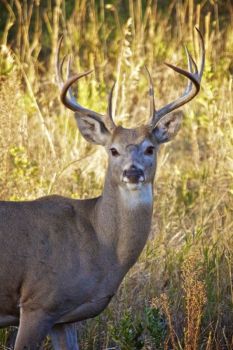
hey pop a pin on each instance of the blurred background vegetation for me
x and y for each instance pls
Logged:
(180, 294)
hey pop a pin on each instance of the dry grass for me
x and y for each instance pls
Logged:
(189, 256)
(195, 299)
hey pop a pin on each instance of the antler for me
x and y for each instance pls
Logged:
(193, 74)
(68, 98)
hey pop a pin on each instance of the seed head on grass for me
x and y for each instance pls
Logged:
(162, 303)
(195, 299)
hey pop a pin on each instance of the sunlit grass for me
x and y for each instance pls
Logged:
(43, 153)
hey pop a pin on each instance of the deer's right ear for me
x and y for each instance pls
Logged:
(93, 129)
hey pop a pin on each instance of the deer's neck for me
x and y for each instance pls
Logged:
(123, 220)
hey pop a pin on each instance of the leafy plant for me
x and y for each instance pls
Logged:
(155, 324)
(128, 333)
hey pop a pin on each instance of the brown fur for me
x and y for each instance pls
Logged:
(62, 259)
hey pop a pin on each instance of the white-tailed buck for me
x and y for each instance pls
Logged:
(62, 259)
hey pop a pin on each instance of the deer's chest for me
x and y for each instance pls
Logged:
(87, 310)
(96, 298)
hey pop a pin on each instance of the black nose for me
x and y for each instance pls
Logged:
(133, 174)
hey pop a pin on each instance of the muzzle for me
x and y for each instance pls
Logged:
(133, 175)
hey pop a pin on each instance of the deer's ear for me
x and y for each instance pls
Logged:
(168, 127)
(93, 129)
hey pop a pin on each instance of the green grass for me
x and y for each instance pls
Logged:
(42, 153)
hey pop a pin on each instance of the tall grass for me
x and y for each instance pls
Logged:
(180, 294)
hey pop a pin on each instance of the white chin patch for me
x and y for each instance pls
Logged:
(135, 195)
(134, 186)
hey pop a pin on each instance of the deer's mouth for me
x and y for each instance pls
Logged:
(133, 176)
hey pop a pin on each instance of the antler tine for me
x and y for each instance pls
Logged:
(202, 47)
(59, 68)
(191, 62)
(152, 97)
(110, 121)
(190, 68)
(194, 75)
(71, 96)
(58, 64)
(66, 93)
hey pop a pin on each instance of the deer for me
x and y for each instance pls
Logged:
(62, 260)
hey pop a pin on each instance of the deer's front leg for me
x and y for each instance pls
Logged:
(64, 337)
(33, 328)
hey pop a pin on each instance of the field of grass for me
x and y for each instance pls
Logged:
(180, 293)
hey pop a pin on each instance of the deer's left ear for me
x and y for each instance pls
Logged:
(168, 127)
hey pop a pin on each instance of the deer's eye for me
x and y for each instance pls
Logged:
(149, 150)
(114, 152)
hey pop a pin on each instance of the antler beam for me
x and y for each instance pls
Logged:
(68, 98)
(193, 74)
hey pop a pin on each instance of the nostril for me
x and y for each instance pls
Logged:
(133, 175)
(133, 171)
(133, 167)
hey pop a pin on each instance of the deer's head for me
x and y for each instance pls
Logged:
(132, 152)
